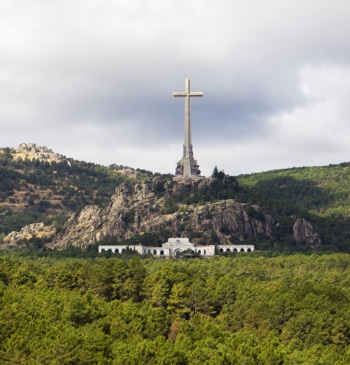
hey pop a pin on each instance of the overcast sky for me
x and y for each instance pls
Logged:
(93, 80)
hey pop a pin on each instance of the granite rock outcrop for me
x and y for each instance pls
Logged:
(137, 209)
(28, 234)
(304, 233)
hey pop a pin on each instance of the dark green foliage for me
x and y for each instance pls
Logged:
(159, 188)
(11, 221)
(225, 187)
(151, 239)
(256, 214)
(220, 175)
(170, 206)
(129, 217)
(215, 172)
(214, 239)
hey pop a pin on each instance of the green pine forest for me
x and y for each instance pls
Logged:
(258, 308)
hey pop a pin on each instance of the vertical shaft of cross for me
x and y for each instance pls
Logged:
(187, 119)
(187, 164)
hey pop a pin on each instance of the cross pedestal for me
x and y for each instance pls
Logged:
(187, 166)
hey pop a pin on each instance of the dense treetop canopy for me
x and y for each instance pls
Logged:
(248, 309)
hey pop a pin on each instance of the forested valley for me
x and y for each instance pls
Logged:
(258, 308)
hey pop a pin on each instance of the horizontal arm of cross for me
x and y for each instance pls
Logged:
(188, 94)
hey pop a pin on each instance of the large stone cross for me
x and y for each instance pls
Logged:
(188, 168)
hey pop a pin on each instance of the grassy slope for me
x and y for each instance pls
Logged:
(320, 190)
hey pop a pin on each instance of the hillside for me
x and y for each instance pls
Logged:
(324, 191)
(38, 185)
(50, 201)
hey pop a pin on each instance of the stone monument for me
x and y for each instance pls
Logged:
(187, 166)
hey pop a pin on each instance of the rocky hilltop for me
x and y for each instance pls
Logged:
(40, 190)
(28, 234)
(32, 151)
(136, 210)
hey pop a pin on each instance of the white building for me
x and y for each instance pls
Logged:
(174, 247)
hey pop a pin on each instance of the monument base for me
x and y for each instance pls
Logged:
(187, 167)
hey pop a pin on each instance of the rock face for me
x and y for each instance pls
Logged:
(303, 233)
(135, 210)
(27, 233)
(33, 151)
(80, 229)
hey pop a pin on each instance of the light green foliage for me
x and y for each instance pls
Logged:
(321, 190)
(243, 310)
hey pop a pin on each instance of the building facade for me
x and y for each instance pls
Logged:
(175, 247)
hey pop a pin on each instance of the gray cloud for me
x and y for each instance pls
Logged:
(94, 81)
